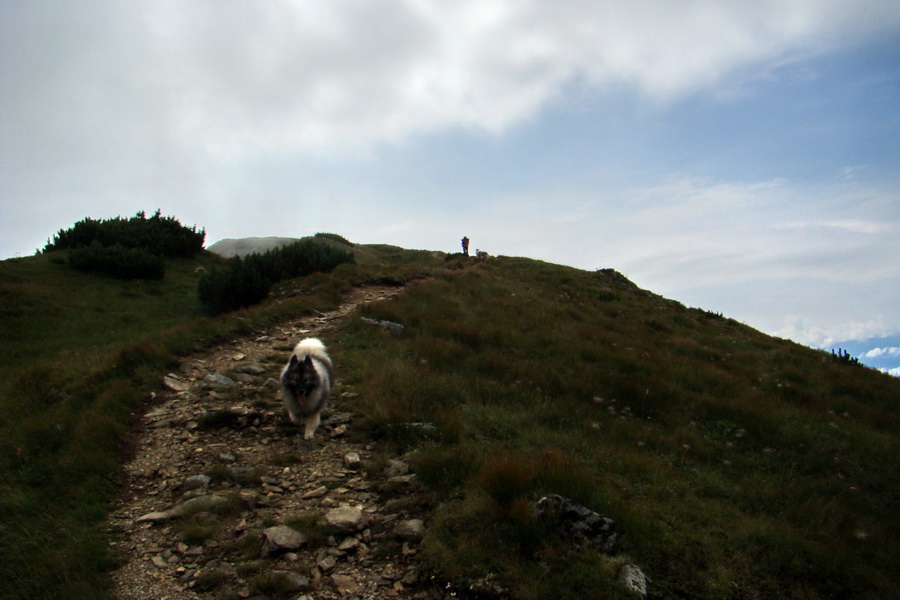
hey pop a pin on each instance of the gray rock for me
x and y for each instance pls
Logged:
(327, 564)
(412, 530)
(293, 581)
(217, 381)
(338, 418)
(349, 544)
(243, 475)
(352, 461)
(281, 538)
(176, 385)
(579, 523)
(633, 579)
(251, 370)
(390, 326)
(345, 519)
(208, 503)
(316, 493)
(154, 517)
(196, 482)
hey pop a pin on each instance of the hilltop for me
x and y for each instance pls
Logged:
(733, 464)
(229, 247)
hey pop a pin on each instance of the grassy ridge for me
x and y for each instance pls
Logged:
(737, 465)
(81, 353)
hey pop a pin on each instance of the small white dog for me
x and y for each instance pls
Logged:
(306, 383)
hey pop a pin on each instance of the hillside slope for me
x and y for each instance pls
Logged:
(734, 464)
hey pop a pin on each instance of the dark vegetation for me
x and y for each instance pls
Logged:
(159, 235)
(245, 281)
(134, 248)
(118, 261)
(737, 465)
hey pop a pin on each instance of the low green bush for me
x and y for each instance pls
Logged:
(246, 281)
(118, 261)
(158, 235)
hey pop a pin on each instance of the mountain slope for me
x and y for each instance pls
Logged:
(735, 464)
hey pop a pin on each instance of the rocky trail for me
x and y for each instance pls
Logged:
(222, 497)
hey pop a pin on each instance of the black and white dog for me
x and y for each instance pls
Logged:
(306, 383)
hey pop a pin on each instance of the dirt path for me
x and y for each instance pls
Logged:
(224, 457)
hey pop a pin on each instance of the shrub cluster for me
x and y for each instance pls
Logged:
(118, 261)
(247, 281)
(158, 235)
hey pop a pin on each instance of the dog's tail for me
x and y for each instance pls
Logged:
(315, 349)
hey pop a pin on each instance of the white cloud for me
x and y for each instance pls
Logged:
(256, 78)
(824, 333)
(882, 352)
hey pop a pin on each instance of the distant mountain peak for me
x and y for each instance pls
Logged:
(230, 247)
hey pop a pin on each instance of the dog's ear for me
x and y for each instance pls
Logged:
(308, 361)
(293, 362)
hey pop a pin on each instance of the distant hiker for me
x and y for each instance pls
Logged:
(465, 245)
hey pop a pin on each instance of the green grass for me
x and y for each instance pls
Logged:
(81, 353)
(737, 465)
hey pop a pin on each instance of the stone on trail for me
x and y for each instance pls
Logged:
(345, 519)
(176, 385)
(218, 381)
(282, 538)
(412, 530)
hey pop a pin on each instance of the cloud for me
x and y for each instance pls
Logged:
(882, 352)
(247, 79)
(803, 330)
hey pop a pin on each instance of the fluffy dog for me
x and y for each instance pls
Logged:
(306, 383)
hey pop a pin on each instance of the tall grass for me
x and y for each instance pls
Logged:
(737, 465)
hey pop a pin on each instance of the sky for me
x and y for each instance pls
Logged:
(740, 156)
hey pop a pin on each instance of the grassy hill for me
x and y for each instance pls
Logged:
(736, 465)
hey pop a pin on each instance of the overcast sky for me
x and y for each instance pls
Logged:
(741, 156)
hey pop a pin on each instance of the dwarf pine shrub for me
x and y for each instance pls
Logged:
(158, 235)
(118, 261)
(247, 281)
